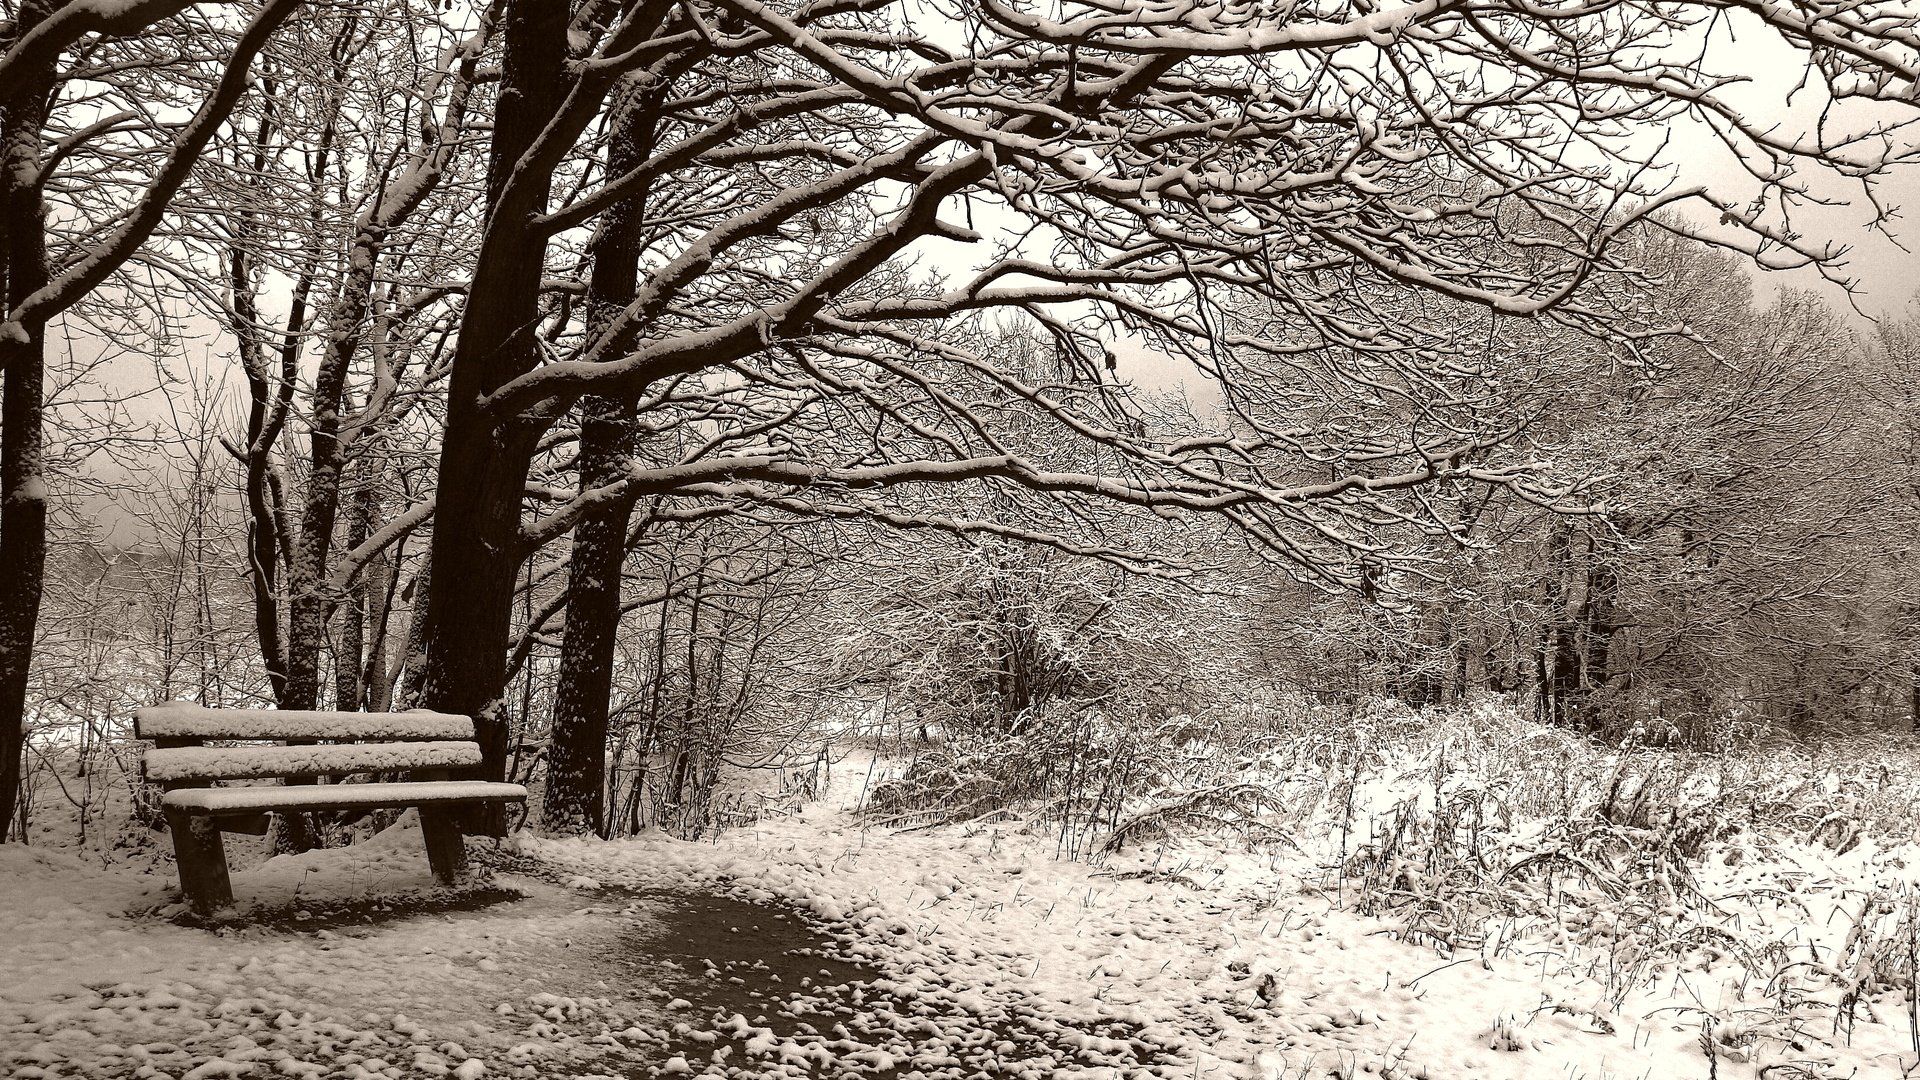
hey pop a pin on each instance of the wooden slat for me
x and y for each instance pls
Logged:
(252, 800)
(255, 762)
(182, 720)
(252, 824)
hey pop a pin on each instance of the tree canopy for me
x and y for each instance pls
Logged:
(518, 268)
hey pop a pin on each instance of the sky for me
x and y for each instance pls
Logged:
(1882, 264)
(1886, 268)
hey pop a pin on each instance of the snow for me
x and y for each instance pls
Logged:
(184, 720)
(1222, 956)
(244, 799)
(250, 762)
(97, 986)
(1205, 957)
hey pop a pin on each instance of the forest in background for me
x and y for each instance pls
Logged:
(605, 371)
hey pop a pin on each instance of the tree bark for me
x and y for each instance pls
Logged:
(575, 798)
(577, 745)
(355, 612)
(23, 489)
(412, 672)
(483, 463)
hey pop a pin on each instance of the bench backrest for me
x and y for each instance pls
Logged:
(318, 743)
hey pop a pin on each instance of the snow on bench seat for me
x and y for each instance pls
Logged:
(253, 800)
(182, 720)
(255, 762)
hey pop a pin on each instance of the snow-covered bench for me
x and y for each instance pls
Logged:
(302, 747)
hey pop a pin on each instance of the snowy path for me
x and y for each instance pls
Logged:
(953, 953)
(93, 993)
(584, 982)
(1221, 964)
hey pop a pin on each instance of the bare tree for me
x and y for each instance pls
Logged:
(134, 160)
(1171, 159)
(705, 232)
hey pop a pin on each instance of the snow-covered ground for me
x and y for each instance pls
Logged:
(1624, 950)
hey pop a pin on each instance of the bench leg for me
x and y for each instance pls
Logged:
(446, 850)
(202, 861)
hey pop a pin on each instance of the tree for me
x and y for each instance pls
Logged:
(1892, 379)
(1738, 567)
(1171, 160)
(723, 218)
(65, 65)
(577, 750)
(1737, 558)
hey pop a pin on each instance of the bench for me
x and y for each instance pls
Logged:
(428, 748)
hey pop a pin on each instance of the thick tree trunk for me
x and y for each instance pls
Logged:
(23, 541)
(23, 487)
(476, 546)
(483, 463)
(577, 745)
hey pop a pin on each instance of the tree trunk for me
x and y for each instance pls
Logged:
(23, 486)
(412, 672)
(308, 606)
(308, 599)
(1558, 654)
(483, 462)
(353, 615)
(577, 745)
(1597, 630)
(377, 584)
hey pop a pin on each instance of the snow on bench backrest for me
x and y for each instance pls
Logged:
(183, 720)
(259, 762)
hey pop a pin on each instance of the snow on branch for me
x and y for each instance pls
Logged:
(101, 259)
(71, 21)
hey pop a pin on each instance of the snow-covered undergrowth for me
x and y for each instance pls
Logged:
(1465, 895)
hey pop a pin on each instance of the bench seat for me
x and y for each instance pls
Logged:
(217, 802)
